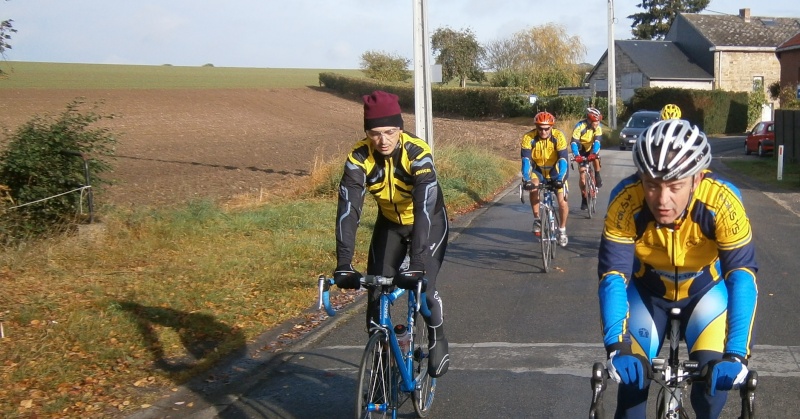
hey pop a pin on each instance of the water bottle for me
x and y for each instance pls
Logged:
(403, 338)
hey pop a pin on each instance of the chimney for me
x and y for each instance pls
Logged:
(745, 15)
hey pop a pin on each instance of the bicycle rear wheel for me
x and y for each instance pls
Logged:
(546, 236)
(426, 385)
(374, 398)
(591, 192)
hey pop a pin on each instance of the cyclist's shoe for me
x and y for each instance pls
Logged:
(598, 180)
(438, 352)
(584, 204)
(562, 237)
(537, 227)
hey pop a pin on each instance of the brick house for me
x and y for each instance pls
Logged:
(703, 51)
(788, 54)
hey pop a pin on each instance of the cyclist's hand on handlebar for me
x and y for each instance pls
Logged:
(557, 184)
(724, 374)
(578, 159)
(592, 157)
(528, 185)
(408, 279)
(629, 369)
(346, 277)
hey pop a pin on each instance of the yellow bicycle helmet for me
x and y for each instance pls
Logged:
(670, 111)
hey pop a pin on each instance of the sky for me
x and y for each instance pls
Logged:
(317, 34)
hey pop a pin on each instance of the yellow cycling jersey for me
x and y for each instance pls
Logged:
(404, 185)
(678, 261)
(544, 153)
(585, 136)
(391, 179)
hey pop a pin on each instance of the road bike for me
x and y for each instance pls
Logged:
(548, 220)
(674, 378)
(590, 190)
(392, 370)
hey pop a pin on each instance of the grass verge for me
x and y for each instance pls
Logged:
(765, 170)
(101, 327)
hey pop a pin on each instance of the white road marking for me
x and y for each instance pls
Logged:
(576, 359)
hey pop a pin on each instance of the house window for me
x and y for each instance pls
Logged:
(758, 83)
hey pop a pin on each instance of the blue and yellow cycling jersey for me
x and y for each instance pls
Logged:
(548, 155)
(712, 242)
(586, 139)
(404, 185)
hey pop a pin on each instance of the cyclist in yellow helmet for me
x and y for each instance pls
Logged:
(670, 111)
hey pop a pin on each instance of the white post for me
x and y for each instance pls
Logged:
(423, 115)
(612, 69)
(780, 162)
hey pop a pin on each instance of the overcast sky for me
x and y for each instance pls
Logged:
(325, 34)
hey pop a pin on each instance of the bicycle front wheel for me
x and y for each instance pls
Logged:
(426, 385)
(374, 398)
(591, 194)
(546, 236)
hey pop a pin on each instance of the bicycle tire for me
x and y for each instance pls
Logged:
(546, 236)
(555, 223)
(591, 192)
(375, 398)
(426, 385)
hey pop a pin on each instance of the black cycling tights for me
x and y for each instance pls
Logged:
(387, 251)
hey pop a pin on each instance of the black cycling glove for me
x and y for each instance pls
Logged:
(346, 277)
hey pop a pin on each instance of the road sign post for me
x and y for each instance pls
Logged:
(780, 162)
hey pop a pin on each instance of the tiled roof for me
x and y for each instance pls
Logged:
(791, 43)
(661, 60)
(733, 31)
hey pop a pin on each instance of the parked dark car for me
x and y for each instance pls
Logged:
(761, 139)
(637, 123)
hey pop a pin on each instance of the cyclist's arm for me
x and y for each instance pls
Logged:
(739, 267)
(348, 211)
(575, 143)
(563, 154)
(427, 197)
(616, 263)
(598, 139)
(525, 155)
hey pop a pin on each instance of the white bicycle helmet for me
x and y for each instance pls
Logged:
(671, 149)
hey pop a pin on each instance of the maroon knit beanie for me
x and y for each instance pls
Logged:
(382, 109)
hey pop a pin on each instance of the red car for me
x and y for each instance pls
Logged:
(761, 139)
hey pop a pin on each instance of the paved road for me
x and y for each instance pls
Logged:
(523, 341)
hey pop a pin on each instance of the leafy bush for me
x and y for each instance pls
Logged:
(385, 67)
(41, 163)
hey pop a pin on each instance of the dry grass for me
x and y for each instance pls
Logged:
(104, 321)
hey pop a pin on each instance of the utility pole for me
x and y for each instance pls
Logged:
(423, 115)
(612, 69)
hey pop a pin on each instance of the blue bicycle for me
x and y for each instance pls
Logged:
(394, 366)
(674, 378)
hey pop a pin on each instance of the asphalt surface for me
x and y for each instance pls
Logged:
(522, 341)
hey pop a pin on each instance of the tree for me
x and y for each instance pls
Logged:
(539, 59)
(459, 54)
(6, 29)
(658, 15)
(385, 67)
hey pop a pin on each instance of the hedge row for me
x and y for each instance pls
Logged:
(470, 102)
(714, 111)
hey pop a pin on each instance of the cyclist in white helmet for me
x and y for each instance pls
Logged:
(676, 235)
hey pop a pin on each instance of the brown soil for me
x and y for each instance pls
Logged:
(178, 145)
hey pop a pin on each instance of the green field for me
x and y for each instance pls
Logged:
(25, 75)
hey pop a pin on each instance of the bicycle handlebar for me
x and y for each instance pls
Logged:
(581, 159)
(324, 286)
